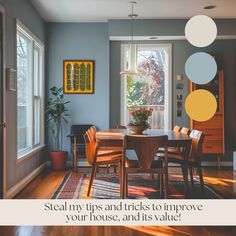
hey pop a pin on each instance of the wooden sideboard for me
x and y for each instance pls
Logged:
(213, 129)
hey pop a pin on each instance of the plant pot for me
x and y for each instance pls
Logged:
(58, 160)
(137, 129)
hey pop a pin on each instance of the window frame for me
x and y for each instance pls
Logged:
(168, 88)
(35, 44)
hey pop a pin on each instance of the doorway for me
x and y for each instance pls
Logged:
(152, 89)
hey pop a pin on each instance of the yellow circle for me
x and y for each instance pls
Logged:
(200, 105)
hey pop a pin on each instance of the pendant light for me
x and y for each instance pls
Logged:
(133, 48)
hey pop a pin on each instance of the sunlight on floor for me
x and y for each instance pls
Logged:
(158, 230)
(219, 181)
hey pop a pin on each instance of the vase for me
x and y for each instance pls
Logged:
(137, 129)
(58, 160)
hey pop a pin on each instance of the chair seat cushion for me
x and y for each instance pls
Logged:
(171, 157)
(106, 159)
(102, 152)
(169, 150)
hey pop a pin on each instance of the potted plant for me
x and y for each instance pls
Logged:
(140, 118)
(57, 114)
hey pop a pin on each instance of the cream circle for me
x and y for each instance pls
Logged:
(201, 31)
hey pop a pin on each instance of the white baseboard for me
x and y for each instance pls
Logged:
(80, 163)
(24, 182)
(214, 163)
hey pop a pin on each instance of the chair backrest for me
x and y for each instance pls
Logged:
(197, 142)
(79, 131)
(176, 128)
(90, 146)
(185, 130)
(92, 133)
(145, 147)
(121, 127)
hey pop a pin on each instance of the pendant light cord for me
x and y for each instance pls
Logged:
(132, 16)
(132, 24)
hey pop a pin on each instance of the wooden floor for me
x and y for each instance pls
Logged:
(45, 184)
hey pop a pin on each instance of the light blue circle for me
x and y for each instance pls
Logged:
(201, 68)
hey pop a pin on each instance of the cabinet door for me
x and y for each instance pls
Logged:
(216, 88)
(213, 128)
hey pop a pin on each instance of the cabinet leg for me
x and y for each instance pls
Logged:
(218, 162)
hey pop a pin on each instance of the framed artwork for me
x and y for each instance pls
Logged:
(78, 76)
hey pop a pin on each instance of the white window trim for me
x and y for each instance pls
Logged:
(36, 41)
(168, 88)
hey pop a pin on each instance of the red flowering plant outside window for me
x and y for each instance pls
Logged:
(140, 117)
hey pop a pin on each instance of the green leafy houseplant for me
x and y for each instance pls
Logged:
(57, 114)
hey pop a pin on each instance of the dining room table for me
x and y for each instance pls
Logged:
(115, 137)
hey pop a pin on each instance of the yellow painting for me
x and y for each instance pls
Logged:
(78, 76)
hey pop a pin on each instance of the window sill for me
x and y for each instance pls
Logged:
(30, 153)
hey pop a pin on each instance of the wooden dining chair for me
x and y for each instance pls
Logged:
(177, 128)
(172, 149)
(145, 149)
(185, 130)
(194, 157)
(95, 159)
(104, 150)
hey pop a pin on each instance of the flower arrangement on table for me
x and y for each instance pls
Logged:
(140, 118)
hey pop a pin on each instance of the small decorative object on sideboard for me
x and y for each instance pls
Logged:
(140, 118)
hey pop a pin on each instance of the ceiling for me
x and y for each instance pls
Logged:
(103, 10)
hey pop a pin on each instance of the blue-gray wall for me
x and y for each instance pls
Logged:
(80, 41)
(24, 11)
(225, 52)
(91, 41)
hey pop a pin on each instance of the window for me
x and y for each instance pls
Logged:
(29, 91)
(151, 90)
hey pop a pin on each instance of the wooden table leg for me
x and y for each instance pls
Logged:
(122, 186)
(186, 154)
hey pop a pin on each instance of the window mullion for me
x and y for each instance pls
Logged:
(32, 95)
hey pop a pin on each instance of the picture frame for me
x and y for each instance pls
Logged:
(179, 86)
(78, 76)
(179, 96)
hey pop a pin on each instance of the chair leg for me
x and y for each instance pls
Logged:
(120, 176)
(191, 174)
(152, 176)
(165, 185)
(218, 161)
(115, 169)
(160, 180)
(200, 175)
(185, 177)
(92, 175)
(126, 185)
